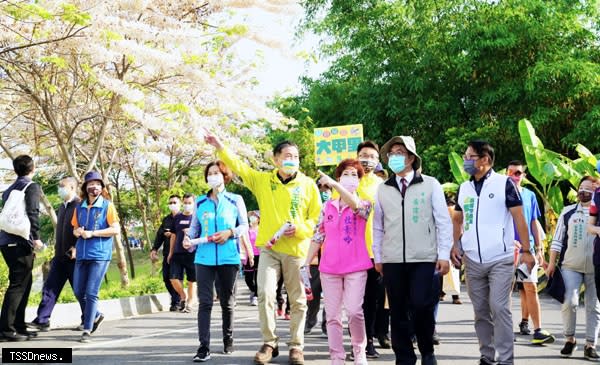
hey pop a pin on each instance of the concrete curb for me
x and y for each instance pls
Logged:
(68, 314)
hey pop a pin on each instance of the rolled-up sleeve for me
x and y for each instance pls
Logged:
(559, 234)
(443, 223)
(378, 231)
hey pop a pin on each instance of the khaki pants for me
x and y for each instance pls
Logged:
(271, 266)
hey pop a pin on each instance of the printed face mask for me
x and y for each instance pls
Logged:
(349, 183)
(397, 163)
(469, 167)
(188, 208)
(289, 167)
(214, 181)
(367, 164)
(94, 191)
(584, 196)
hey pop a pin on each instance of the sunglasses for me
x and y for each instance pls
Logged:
(516, 173)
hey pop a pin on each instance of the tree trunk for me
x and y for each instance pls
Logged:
(122, 262)
(123, 230)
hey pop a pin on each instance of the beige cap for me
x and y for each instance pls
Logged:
(408, 142)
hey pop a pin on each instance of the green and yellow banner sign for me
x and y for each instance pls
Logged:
(333, 144)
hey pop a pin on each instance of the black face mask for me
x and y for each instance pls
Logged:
(94, 191)
(584, 197)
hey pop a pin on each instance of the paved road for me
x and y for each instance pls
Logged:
(171, 338)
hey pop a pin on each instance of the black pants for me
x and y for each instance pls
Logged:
(250, 275)
(597, 280)
(315, 304)
(166, 275)
(377, 318)
(61, 271)
(19, 259)
(412, 299)
(205, 277)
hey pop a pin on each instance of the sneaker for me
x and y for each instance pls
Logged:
(254, 301)
(85, 337)
(370, 350)
(97, 322)
(307, 330)
(542, 337)
(265, 354)
(43, 327)
(568, 349)
(436, 338)
(485, 361)
(590, 354)
(187, 309)
(351, 356)
(524, 328)
(182, 305)
(456, 301)
(79, 328)
(228, 346)
(202, 355)
(296, 357)
(287, 317)
(384, 342)
(174, 308)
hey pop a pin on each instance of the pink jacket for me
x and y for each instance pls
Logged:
(345, 249)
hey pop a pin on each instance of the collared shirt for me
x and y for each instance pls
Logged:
(440, 215)
(513, 197)
(285, 181)
(409, 178)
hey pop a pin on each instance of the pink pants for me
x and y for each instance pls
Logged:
(347, 290)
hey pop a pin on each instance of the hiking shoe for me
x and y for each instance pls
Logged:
(97, 322)
(265, 354)
(590, 354)
(568, 349)
(202, 355)
(524, 328)
(43, 327)
(228, 346)
(542, 337)
(296, 357)
(370, 350)
(85, 337)
(384, 342)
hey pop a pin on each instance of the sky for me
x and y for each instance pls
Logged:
(280, 64)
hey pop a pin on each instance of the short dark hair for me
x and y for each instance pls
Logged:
(23, 165)
(226, 171)
(349, 162)
(175, 196)
(483, 148)
(367, 144)
(283, 144)
(587, 178)
(188, 195)
(516, 163)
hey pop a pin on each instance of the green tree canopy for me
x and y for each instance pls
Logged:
(447, 71)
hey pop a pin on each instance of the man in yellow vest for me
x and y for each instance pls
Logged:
(289, 202)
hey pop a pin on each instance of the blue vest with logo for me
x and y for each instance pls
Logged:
(94, 218)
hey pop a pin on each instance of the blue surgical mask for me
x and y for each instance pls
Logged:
(397, 163)
(325, 196)
(469, 167)
(290, 167)
(63, 192)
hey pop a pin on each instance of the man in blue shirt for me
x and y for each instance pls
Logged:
(530, 302)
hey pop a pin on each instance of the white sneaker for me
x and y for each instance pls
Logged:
(254, 301)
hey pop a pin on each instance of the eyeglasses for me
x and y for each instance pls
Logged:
(471, 157)
(516, 173)
(372, 157)
(585, 191)
(397, 153)
(173, 203)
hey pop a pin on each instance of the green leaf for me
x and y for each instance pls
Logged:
(456, 166)
(555, 198)
(585, 154)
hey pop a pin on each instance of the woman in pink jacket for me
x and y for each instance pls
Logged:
(344, 260)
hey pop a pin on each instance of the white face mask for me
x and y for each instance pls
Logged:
(214, 181)
(188, 208)
(63, 192)
(174, 208)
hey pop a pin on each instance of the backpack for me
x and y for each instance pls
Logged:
(13, 218)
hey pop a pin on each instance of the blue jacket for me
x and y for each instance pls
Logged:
(93, 219)
(228, 213)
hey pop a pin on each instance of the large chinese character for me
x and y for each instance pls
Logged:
(339, 145)
(323, 147)
(353, 143)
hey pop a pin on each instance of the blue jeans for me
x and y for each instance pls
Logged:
(573, 282)
(86, 281)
